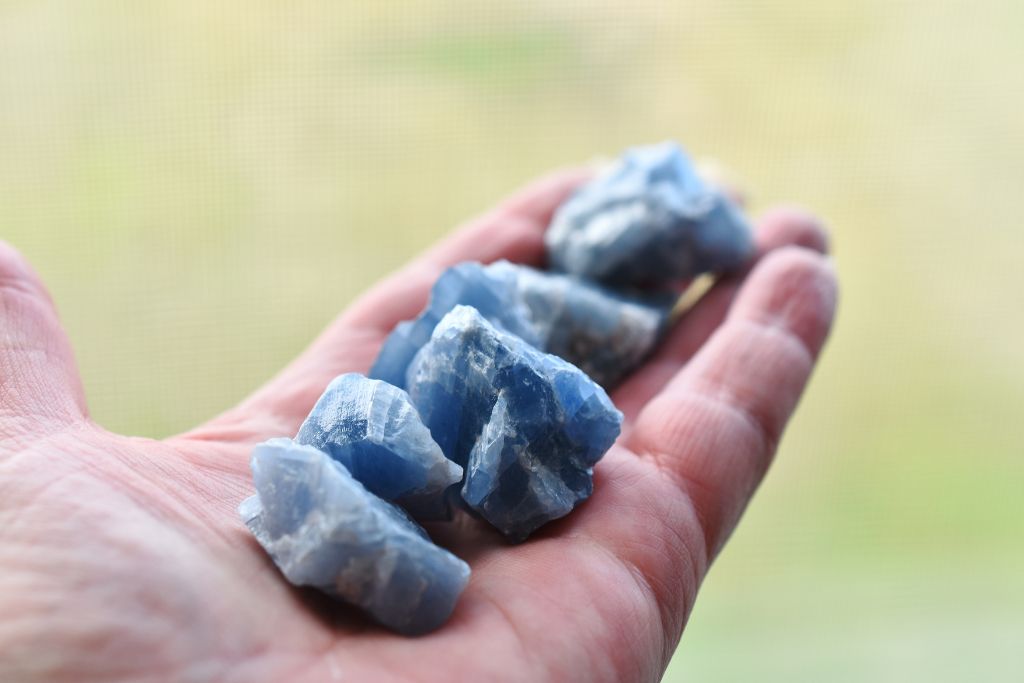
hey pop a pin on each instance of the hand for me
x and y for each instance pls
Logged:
(123, 558)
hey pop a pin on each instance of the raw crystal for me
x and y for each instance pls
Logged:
(603, 332)
(468, 284)
(373, 429)
(324, 529)
(527, 426)
(648, 219)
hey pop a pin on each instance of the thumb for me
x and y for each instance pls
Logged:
(40, 390)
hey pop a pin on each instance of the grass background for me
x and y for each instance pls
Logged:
(204, 185)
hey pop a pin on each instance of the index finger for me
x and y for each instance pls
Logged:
(715, 426)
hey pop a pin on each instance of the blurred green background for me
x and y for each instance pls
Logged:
(204, 185)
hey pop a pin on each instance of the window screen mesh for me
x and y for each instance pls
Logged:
(204, 185)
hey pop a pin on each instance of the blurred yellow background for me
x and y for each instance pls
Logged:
(204, 185)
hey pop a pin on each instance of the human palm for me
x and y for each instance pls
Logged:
(123, 559)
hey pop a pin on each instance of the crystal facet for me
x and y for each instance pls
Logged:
(648, 219)
(373, 429)
(324, 529)
(527, 426)
(603, 332)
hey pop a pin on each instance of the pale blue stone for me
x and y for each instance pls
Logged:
(372, 428)
(527, 426)
(648, 219)
(603, 332)
(324, 529)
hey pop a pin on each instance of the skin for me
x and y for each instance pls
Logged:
(123, 558)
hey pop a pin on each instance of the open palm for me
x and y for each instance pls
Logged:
(123, 559)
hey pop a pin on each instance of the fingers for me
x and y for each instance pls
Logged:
(715, 425)
(777, 228)
(514, 230)
(39, 385)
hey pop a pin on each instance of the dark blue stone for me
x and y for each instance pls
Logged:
(603, 332)
(648, 219)
(527, 426)
(466, 284)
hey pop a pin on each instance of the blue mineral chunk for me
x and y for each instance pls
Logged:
(527, 426)
(372, 428)
(324, 529)
(648, 219)
(465, 284)
(605, 333)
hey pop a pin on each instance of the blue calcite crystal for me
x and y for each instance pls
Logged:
(324, 529)
(603, 332)
(373, 429)
(467, 284)
(527, 426)
(648, 219)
